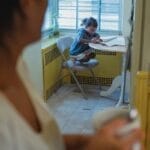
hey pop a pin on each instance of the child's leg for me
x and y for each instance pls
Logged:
(92, 55)
(89, 54)
(78, 57)
(85, 56)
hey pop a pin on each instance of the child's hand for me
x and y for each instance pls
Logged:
(96, 40)
(100, 40)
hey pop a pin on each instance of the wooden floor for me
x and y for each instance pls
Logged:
(73, 113)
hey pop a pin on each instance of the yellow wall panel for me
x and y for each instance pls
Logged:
(142, 103)
(52, 69)
(52, 72)
(109, 66)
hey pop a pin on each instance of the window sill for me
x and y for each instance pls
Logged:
(46, 42)
(103, 33)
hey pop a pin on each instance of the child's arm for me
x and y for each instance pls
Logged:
(97, 38)
(93, 40)
(85, 41)
(82, 37)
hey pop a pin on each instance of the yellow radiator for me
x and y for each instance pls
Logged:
(52, 70)
(142, 103)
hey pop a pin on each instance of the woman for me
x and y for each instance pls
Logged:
(25, 124)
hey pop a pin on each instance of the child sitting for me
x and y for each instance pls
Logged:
(80, 49)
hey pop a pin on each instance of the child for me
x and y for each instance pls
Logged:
(80, 49)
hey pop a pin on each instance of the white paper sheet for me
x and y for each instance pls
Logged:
(114, 41)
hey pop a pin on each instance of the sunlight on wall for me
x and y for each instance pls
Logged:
(32, 57)
(127, 6)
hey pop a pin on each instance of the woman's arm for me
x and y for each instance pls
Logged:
(105, 139)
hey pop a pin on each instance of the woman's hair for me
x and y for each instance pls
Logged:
(87, 22)
(7, 11)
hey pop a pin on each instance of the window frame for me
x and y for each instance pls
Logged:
(119, 32)
(53, 6)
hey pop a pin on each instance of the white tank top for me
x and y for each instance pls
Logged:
(15, 132)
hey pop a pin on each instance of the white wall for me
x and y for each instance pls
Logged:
(127, 6)
(33, 59)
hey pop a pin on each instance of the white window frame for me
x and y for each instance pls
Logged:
(100, 31)
(53, 6)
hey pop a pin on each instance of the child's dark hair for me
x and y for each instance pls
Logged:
(87, 22)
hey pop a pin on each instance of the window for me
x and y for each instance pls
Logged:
(50, 21)
(107, 12)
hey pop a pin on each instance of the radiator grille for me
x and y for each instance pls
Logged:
(51, 55)
(92, 81)
(105, 53)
